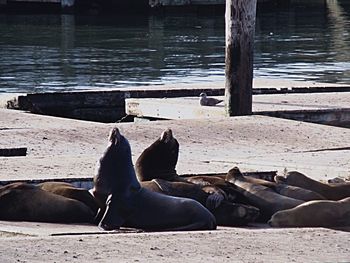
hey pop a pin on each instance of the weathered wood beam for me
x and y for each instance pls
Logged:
(240, 28)
(7, 152)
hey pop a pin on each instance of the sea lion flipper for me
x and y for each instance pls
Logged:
(214, 200)
(163, 185)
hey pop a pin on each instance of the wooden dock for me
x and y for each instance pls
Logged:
(331, 108)
(67, 148)
(109, 105)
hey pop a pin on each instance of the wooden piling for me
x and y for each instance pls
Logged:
(240, 28)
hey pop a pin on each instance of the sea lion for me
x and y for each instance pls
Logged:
(324, 213)
(213, 198)
(25, 202)
(158, 163)
(329, 191)
(206, 180)
(267, 200)
(159, 159)
(287, 190)
(297, 192)
(219, 182)
(70, 191)
(130, 205)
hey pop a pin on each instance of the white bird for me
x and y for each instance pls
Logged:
(205, 101)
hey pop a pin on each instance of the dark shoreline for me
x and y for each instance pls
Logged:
(94, 7)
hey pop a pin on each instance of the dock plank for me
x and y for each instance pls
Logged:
(326, 108)
(78, 104)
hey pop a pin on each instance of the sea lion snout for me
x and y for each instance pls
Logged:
(114, 135)
(166, 135)
(233, 174)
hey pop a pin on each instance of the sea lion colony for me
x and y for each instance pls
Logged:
(151, 195)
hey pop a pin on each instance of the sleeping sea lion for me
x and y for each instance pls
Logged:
(25, 202)
(329, 191)
(70, 191)
(267, 200)
(226, 213)
(287, 190)
(324, 213)
(297, 192)
(130, 205)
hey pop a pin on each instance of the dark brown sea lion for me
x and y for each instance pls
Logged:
(206, 180)
(159, 159)
(158, 162)
(226, 213)
(297, 192)
(287, 190)
(25, 202)
(324, 213)
(267, 200)
(218, 182)
(70, 191)
(329, 191)
(131, 205)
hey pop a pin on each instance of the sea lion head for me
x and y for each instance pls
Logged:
(159, 159)
(114, 135)
(279, 219)
(233, 174)
(291, 178)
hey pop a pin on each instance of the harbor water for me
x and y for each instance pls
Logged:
(307, 40)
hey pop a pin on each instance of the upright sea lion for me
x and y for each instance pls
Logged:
(158, 163)
(25, 202)
(159, 159)
(267, 200)
(324, 213)
(70, 191)
(131, 205)
(329, 191)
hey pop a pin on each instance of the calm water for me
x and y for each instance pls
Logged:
(64, 52)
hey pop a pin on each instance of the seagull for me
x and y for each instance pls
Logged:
(205, 101)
